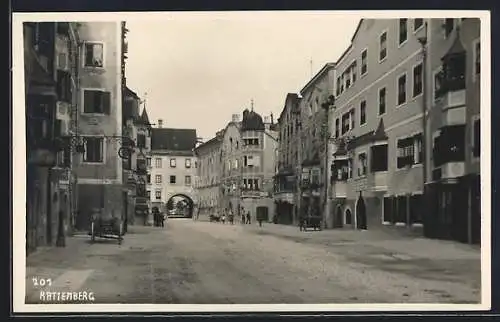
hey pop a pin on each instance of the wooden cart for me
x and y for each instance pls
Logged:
(106, 225)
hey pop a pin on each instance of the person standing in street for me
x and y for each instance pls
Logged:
(248, 218)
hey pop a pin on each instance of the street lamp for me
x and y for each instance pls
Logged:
(330, 102)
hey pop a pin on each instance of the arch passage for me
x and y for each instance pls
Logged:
(339, 221)
(180, 205)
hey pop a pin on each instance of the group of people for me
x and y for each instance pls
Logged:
(246, 218)
(159, 218)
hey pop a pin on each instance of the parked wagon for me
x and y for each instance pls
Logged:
(310, 222)
(106, 225)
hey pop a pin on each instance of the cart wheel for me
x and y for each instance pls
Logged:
(92, 238)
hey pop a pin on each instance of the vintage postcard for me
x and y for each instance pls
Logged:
(251, 161)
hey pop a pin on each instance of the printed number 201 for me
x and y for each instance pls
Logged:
(42, 281)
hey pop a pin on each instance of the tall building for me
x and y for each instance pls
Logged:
(313, 127)
(136, 126)
(99, 166)
(248, 165)
(387, 80)
(51, 78)
(172, 163)
(453, 130)
(288, 161)
(208, 175)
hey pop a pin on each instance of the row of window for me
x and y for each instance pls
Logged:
(173, 179)
(409, 153)
(173, 163)
(349, 76)
(248, 161)
(347, 121)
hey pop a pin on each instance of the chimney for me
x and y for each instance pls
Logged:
(235, 118)
(160, 123)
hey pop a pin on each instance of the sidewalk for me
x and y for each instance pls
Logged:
(69, 267)
(376, 239)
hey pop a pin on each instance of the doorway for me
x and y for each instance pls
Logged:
(339, 223)
(361, 214)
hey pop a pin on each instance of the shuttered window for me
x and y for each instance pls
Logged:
(95, 101)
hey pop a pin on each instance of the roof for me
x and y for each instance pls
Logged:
(131, 93)
(252, 121)
(212, 141)
(173, 139)
(456, 48)
(352, 40)
(322, 71)
(290, 96)
(144, 119)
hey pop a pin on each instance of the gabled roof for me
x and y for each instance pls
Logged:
(313, 80)
(294, 98)
(144, 119)
(131, 93)
(352, 40)
(173, 139)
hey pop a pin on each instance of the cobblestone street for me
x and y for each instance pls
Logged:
(210, 263)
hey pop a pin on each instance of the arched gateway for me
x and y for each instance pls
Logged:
(180, 205)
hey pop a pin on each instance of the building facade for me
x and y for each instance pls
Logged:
(173, 166)
(248, 165)
(288, 167)
(51, 79)
(99, 166)
(452, 193)
(313, 127)
(387, 80)
(208, 175)
(137, 128)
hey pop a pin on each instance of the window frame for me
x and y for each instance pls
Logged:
(434, 76)
(158, 191)
(398, 105)
(186, 181)
(378, 101)
(381, 60)
(361, 74)
(401, 44)
(94, 89)
(365, 166)
(158, 179)
(413, 96)
(160, 163)
(84, 54)
(361, 113)
(174, 177)
(103, 149)
(172, 162)
(415, 30)
(186, 161)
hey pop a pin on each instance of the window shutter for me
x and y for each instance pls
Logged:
(88, 101)
(106, 102)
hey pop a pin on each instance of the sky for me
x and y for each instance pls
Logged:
(199, 69)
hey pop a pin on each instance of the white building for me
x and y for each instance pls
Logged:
(171, 166)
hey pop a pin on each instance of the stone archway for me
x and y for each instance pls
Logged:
(180, 208)
(339, 220)
(361, 220)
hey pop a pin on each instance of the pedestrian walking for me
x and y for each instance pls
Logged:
(248, 218)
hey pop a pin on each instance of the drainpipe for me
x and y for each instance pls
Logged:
(423, 44)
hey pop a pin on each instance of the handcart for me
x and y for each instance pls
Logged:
(106, 225)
